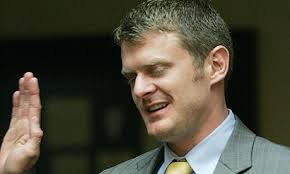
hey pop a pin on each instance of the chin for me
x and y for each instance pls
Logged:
(162, 134)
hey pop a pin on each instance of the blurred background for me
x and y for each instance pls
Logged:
(89, 120)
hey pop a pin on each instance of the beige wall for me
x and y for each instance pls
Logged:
(270, 18)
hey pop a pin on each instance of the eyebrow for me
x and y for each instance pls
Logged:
(158, 61)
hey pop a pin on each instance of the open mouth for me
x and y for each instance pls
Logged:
(156, 107)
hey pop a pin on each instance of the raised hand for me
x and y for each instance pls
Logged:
(20, 149)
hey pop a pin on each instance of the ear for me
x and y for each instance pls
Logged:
(218, 63)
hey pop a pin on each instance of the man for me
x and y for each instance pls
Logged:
(177, 57)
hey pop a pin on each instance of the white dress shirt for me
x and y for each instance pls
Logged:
(204, 157)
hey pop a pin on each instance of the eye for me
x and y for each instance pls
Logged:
(157, 71)
(131, 81)
(130, 78)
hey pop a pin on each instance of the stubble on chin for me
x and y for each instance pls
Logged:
(164, 136)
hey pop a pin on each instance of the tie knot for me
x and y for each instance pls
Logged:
(179, 167)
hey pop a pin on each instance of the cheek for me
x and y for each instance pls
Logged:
(193, 94)
(177, 82)
(137, 101)
(133, 97)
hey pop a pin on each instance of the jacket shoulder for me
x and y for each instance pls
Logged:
(130, 165)
(270, 148)
(274, 157)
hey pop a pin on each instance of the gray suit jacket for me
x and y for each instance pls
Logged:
(244, 153)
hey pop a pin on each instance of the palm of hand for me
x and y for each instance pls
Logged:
(20, 147)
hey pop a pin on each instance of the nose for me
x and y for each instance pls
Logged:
(143, 86)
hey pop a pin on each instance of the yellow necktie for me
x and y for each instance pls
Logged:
(179, 167)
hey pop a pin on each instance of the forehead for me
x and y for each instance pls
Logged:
(161, 46)
(152, 37)
(150, 42)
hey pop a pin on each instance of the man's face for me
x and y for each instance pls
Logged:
(167, 88)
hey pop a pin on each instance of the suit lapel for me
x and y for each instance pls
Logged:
(222, 169)
(236, 156)
(151, 163)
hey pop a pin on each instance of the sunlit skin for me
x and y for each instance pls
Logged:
(189, 99)
(20, 149)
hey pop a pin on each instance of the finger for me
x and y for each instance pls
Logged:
(23, 92)
(35, 103)
(21, 84)
(23, 81)
(24, 99)
(26, 84)
(33, 86)
(15, 99)
(16, 103)
(15, 108)
(26, 78)
(28, 75)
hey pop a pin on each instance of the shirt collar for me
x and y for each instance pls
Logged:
(204, 156)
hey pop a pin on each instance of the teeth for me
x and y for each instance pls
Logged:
(157, 106)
